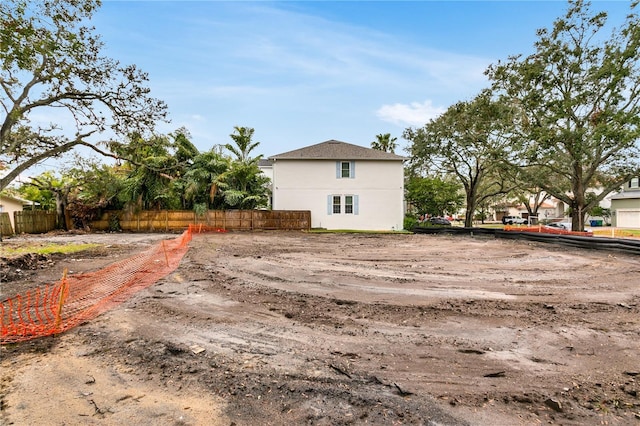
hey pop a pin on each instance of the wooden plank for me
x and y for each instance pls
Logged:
(176, 220)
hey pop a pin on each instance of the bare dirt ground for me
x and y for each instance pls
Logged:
(277, 328)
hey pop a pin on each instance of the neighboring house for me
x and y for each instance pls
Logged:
(550, 209)
(625, 205)
(10, 204)
(344, 186)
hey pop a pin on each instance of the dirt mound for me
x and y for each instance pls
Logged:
(16, 267)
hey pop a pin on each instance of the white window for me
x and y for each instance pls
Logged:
(345, 169)
(342, 204)
(634, 183)
(348, 204)
(337, 204)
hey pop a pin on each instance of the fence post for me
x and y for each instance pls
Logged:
(166, 256)
(63, 290)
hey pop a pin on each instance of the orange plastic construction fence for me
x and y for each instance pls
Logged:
(201, 228)
(77, 298)
(546, 230)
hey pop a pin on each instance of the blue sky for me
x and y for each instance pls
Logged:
(301, 73)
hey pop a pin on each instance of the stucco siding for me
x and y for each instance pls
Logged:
(10, 205)
(308, 184)
(626, 212)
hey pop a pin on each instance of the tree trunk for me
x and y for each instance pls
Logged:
(471, 207)
(61, 204)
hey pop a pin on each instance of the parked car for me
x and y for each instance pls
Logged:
(510, 220)
(439, 221)
(563, 225)
(559, 225)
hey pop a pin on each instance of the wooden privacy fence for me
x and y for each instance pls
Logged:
(178, 220)
(34, 221)
(5, 224)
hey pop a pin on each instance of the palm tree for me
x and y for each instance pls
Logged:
(201, 180)
(243, 185)
(243, 145)
(385, 143)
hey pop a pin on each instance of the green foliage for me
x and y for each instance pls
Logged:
(168, 172)
(578, 111)
(384, 142)
(600, 211)
(471, 142)
(410, 222)
(243, 186)
(243, 145)
(434, 196)
(200, 209)
(152, 167)
(201, 180)
(46, 249)
(52, 61)
(44, 197)
(114, 223)
(60, 187)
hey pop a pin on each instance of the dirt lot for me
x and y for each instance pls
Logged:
(278, 328)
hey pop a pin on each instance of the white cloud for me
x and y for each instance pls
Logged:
(413, 114)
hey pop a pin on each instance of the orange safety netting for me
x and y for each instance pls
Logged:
(546, 230)
(77, 298)
(200, 228)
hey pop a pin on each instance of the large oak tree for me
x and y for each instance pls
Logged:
(52, 66)
(578, 98)
(470, 141)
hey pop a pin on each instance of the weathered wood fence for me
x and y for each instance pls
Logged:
(38, 221)
(5, 224)
(34, 221)
(178, 220)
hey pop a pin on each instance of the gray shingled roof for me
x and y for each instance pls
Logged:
(336, 150)
(626, 195)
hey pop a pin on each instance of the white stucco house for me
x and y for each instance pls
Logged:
(345, 186)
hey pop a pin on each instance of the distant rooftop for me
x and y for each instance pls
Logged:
(336, 150)
(626, 195)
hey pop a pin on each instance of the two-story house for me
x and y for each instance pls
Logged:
(625, 205)
(344, 186)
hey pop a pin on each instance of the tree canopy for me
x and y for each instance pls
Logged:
(577, 98)
(162, 172)
(434, 196)
(243, 185)
(384, 142)
(52, 64)
(469, 141)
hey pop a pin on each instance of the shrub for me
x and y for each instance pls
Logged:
(410, 222)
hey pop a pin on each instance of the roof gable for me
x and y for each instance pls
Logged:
(336, 150)
(16, 199)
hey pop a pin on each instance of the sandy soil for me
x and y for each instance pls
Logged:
(291, 328)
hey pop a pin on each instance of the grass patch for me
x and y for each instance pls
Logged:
(45, 249)
(615, 232)
(491, 225)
